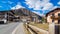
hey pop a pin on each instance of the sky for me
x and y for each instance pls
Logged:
(40, 7)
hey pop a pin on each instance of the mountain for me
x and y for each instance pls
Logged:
(25, 12)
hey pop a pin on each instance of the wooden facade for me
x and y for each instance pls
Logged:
(53, 16)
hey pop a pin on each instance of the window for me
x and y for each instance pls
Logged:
(52, 14)
(58, 21)
(59, 17)
(59, 14)
(52, 20)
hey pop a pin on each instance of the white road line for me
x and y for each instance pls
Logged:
(15, 29)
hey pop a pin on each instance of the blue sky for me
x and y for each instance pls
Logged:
(40, 7)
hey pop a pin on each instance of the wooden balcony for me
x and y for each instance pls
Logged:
(55, 17)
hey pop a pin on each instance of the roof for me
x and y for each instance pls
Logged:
(52, 11)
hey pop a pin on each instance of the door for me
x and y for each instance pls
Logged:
(59, 21)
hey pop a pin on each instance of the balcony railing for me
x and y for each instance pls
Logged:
(52, 17)
(55, 17)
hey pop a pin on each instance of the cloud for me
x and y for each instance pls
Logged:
(59, 3)
(53, 8)
(48, 6)
(17, 6)
(37, 12)
(39, 4)
(43, 5)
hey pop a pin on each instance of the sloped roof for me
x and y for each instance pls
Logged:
(52, 11)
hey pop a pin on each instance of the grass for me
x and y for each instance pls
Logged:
(41, 26)
(25, 29)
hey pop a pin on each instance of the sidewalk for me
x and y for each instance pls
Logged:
(39, 30)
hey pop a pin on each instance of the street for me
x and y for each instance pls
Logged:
(9, 28)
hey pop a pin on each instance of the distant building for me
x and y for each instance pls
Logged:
(10, 15)
(6, 16)
(53, 16)
(2, 14)
(22, 13)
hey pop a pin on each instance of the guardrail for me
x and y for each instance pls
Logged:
(36, 30)
(53, 29)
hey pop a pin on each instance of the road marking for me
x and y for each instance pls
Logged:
(15, 29)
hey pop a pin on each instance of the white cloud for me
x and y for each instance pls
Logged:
(39, 4)
(17, 6)
(59, 3)
(13, 8)
(48, 6)
(38, 13)
(53, 8)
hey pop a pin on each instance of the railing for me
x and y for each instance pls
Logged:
(36, 30)
(55, 17)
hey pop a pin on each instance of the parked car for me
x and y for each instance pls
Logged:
(3, 21)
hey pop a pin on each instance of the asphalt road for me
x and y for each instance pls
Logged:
(20, 29)
(8, 28)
